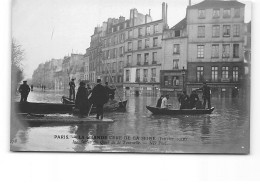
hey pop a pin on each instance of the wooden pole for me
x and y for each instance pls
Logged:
(113, 82)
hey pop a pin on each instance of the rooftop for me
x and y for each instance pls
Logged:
(216, 4)
(180, 25)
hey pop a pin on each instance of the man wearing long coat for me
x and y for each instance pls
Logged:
(24, 89)
(82, 102)
(99, 97)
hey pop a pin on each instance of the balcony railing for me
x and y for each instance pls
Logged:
(145, 79)
(146, 63)
(137, 79)
(154, 62)
(153, 79)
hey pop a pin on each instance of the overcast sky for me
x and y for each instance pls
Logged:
(53, 28)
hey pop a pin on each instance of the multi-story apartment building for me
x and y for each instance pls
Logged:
(95, 53)
(113, 50)
(86, 65)
(143, 52)
(215, 45)
(174, 58)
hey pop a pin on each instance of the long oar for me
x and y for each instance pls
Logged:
(90, 109)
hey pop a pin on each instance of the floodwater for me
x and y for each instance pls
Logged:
(226, 130)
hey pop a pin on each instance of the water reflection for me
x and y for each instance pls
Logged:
(226, 130)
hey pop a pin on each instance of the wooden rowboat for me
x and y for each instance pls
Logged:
(37, 119)
(54, 108)
(43, 108)
(156, 110)
(116, 107)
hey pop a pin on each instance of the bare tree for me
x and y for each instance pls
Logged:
(17, 55)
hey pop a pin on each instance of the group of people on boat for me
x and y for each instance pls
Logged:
(191, 101)
(86, 97)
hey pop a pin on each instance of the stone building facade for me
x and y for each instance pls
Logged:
(143, 53)
(215, 45)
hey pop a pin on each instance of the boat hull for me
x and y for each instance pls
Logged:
(54, 108)
(158, 111)
(57, 120)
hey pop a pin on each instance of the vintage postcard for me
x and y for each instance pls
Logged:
(131, 76)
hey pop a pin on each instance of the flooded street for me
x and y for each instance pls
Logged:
(226, 130)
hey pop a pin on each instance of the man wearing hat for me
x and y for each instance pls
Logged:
(72, 89)
(82, 102)
(24, 89)
(99, 97)
(206, 94)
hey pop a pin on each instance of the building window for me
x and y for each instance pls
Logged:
(139, 44)
(236, 51)
(215, 51)
(214, 73)
(129, 46)
(154, 57)
(130, 34)
(176, 49)
(114, 67)
(128, 60)
(120, 66)
(216, 13)
(139, 31)
(146, 58)
(122, 37)
(155, 41)
(175, 81)
(202, 14)
(127, 75)
(145, 75)
(235, 74)
(226, 30)
(226, 51)
(115, 39)
(156, 30)
(225, 72)
(175, 64)
(177, 33)
(137, 75)
(153, 75)
(165, 79)
(201, 31)
(147, 43)
(236, 30)
(148, 29)
(226, 13)
(200, 51)
(237, 12)
(139, 59)
(200, 73)
(121, 51)
(215, 31)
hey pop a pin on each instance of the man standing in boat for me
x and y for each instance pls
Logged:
(72, 89)
(24, 89)
(206, 92)
(110, 91)
(99, 97)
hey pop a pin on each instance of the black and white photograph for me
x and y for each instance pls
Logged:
(101, 76)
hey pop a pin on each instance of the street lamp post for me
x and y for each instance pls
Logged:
(183, 74)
